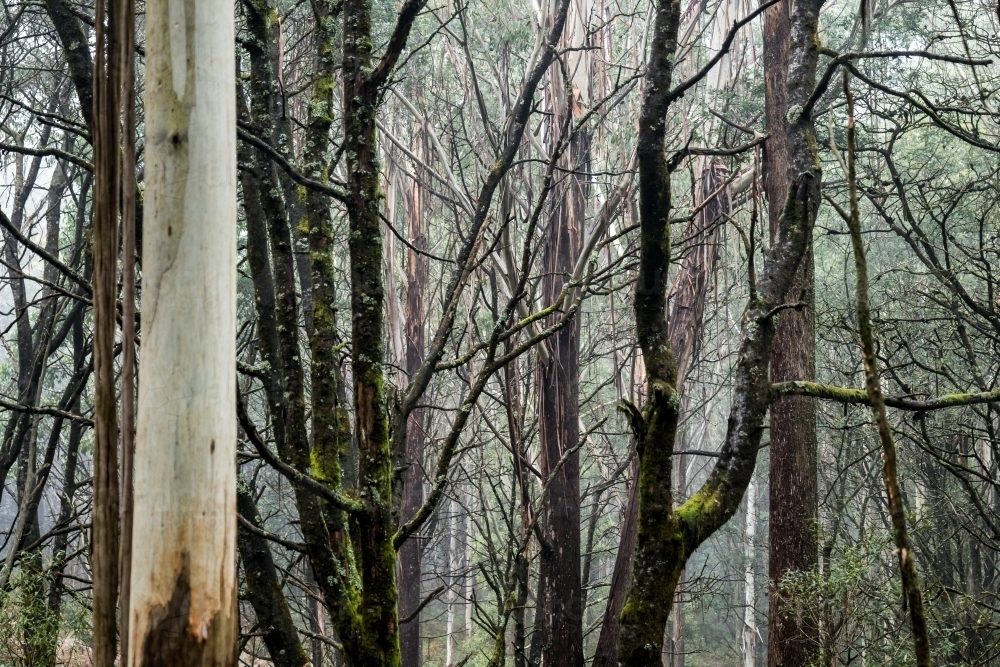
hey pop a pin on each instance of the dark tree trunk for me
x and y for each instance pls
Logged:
(413, 484)
(686, 316)
(107, 106)
(558, 390)
(76, 50)
(793, 636)
(667, 536)
(263, 590)
(66, 509)
(377, 639)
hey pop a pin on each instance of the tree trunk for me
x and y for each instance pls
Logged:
(748, 640)
(677, 632)
(183, 602)
(913, 600)
(66, 509)
(417, 266)
(667, 536)
(469, 576)
(377, 642)
(110, 43)
(688, 294)
(512, 404)
(559, 430)
(793, 636)
(558, 375)
(263, 589)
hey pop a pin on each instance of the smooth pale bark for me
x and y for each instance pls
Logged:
(749, 638)
(183, 585)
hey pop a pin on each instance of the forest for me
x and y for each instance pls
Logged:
(530, 333)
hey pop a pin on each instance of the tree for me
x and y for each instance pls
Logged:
(668, 536)
(183, 586)
(474, 146)
(558, 373)
(792, 635)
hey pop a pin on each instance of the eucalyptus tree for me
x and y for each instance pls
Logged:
(474, 140)
(792, 461)
(183, 583)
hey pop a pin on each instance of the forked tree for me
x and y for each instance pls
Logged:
(668, 535)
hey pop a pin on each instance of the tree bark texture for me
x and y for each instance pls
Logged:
(183, 606)
(377, 641)
(417, 269)
(793, 635)
(113, 47)
(558, 391)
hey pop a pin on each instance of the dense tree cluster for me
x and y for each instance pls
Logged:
(577, 332)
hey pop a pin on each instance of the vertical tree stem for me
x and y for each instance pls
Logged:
(907, 563)
(107, 171)
(128, 195)
(183, 581)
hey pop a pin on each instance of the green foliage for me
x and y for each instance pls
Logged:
(30, 630)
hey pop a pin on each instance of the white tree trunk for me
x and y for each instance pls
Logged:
(470, 576)
(183, 585)
(452, 586)
(749, 592)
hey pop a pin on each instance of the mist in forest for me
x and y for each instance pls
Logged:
(575, 333)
